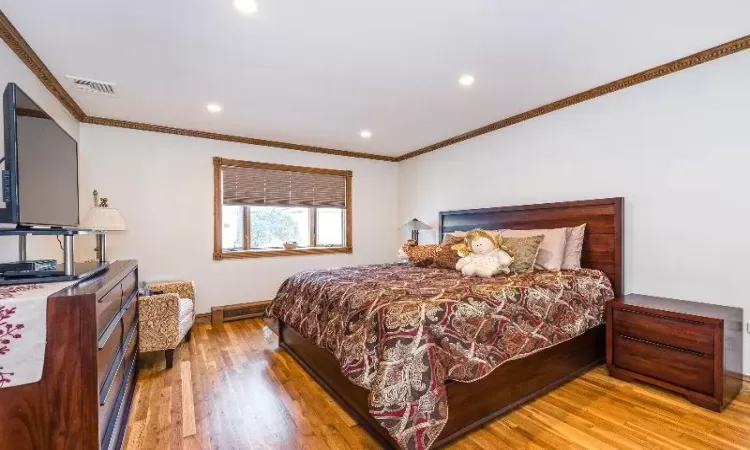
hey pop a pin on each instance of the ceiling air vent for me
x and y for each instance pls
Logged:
(93, 86)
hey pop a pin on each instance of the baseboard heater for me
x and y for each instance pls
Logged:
(239, 311)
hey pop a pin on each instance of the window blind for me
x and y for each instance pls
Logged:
(246, 186)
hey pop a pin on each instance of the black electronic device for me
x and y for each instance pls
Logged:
(39, 264)
(40, 177)
(80, 271)
(33, 273)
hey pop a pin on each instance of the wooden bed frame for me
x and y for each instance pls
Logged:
(515, 382)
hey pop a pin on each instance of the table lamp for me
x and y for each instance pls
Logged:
(101, 219)
(415, 226)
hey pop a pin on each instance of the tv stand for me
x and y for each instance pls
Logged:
(72, 270)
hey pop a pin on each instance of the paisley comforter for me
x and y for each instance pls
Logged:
(402, 331)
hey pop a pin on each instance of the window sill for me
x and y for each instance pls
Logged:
(240, 254)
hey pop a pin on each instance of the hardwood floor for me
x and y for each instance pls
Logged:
(232, 388)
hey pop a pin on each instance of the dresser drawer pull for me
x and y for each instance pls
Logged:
(649, 314)
(107, 333)
(108, 442)
(119, 286)
(104, 395)
(129, 301)
(657, 344)
(109, 434)
(133, 331)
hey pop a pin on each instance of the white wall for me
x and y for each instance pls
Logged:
(14, 70)
(163, 184)
(677, 149)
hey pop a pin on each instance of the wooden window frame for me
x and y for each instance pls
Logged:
(220, 253)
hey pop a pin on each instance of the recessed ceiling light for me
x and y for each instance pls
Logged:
(366, 134)
(213, 108)
(466, 80)
(246, 6)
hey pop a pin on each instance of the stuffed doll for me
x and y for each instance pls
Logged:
(483, 254)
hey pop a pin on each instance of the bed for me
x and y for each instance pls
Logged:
(502, 376)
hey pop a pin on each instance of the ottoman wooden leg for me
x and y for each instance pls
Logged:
(169, 355)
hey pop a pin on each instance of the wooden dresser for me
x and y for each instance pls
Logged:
(694, 349)
(83, 398)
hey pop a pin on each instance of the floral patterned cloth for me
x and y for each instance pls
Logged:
(401, 331)
(23, 331)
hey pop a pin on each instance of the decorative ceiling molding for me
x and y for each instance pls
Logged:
(229, 138)
(23, 50)
(711, 54)
(25, 53)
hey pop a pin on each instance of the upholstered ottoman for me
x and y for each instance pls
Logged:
(166, 318)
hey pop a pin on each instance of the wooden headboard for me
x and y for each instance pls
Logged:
(602, 244)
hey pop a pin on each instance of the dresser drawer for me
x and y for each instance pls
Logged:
(129, 285)
(107, 307)
(108, 402)
(118, 418)
(679, 367)
(690, 335)
(108, 353)
(129, 316)
(113, 390)
(129, 342)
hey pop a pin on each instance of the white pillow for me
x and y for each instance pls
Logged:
(573, 247)
(552, 250)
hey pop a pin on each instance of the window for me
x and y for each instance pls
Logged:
(259, 207)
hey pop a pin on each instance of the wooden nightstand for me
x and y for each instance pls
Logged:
(694, 349)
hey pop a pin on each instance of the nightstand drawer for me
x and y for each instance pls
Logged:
(689, 335)
(679, 367)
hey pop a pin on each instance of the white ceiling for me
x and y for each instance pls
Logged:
(317, 72)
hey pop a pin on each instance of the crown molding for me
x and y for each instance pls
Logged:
(23, 50)
(704, 56)
(25, 53)
(231, 138)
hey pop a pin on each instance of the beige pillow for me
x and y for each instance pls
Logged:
(573, 247)
(552, 250)
(459, 234)
(525, 252)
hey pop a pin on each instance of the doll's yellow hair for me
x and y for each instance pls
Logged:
(464, 248)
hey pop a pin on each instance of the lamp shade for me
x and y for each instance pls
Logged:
(415, 224)
(104, 219)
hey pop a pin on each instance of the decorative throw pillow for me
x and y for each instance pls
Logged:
(432, 255)
(447, 258)
(552, 250)
(573, 247)
(525, 251)
(419, 255)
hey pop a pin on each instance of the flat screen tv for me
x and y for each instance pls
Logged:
(40, 180)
